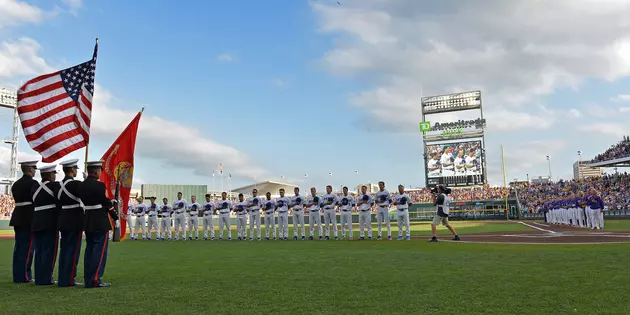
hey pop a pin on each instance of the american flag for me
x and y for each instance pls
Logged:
(56, 109)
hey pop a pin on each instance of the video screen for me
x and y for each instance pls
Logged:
(455, 164)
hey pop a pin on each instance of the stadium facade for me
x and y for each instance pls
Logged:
(581, 171)
(268, 186)
(170, 191)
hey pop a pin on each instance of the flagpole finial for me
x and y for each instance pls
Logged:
(142, 110)
(97, 39)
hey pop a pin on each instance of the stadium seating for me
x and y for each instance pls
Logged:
(616, 151)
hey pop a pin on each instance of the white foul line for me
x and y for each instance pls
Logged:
(537, 228)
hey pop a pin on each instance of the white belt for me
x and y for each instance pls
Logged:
(94, 207)
(21, 204)
(46, 207)
(71, 206)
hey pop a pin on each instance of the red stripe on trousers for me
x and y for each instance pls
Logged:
(74, 258)
(101, 260)
(54, 259)
(30, 245)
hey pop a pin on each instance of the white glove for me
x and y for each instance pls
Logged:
(118, 223)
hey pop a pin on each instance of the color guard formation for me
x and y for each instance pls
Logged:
(51, 216)
(274, 214)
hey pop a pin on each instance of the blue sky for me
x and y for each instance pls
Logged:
(287, 88)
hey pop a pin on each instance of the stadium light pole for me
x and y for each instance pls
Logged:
(549, 165)
(579, 164)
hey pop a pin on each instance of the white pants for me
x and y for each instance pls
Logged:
(270, 223)
(241, 226)
(153, 224)
(601, 219)
(254, 220)
(298, 218)
(193, 225)
(283, 224)
(180, 221)
(403, 221)
(140, 224)
(594, 215)
(224, 221)
(589, 218)
(165, 226)
(330, 217)
(580, 217)
(130, 224)
(208, 224)
(383, 215)
(314, 219)
(346, 223)
(365, 220)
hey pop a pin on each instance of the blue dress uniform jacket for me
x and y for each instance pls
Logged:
(97, 206)
(21, 220)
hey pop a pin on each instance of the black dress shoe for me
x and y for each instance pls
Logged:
(77, 284)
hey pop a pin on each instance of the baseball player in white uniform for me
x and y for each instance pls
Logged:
(402, 203)
(165, 220)
(471, 164)
(130, 211)
(447, 163)
(225, 207)
(433, 166)
(460, 163)
(270, 216)
(282, 206)
(208, 213)
(297, 205)
(193, 218)
(347, 204)
(330, 201)
(179, 207)
(241, 218)
(253, 206)
(365, 203)
(153, 219)
(313, 204)
(141, 211)
(383, 201)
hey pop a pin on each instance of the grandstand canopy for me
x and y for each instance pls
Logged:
(266, 186)
(621, 162)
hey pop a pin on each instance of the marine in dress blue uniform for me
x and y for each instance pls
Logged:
(45, 225)
(71, 223)
(98, 209)
(21, 221)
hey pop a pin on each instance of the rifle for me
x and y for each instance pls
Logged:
(116, 236)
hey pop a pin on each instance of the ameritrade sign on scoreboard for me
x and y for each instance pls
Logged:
(451, 102)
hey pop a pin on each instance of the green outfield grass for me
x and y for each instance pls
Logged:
(377, 277)
(418, 228)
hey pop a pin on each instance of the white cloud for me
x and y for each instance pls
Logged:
(5, 159)
(621, 98)
(405, 47)
(21, 57)
(522, 157)
(174, 144)
(280, 82)
(14, 12)
(225, 58)
(624, 109)
(575, 113)
(73, 5)
(617, 130)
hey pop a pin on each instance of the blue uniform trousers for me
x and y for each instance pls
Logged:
(69, 254)
(46, 243)
(23, 255)
(95, 257)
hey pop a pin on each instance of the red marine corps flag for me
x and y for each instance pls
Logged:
(56, 109)
(118, 170)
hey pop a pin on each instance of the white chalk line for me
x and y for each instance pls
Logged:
(536, 228)
(530, 243)
(547, 225)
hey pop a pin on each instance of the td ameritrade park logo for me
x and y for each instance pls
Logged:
(451, 128)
